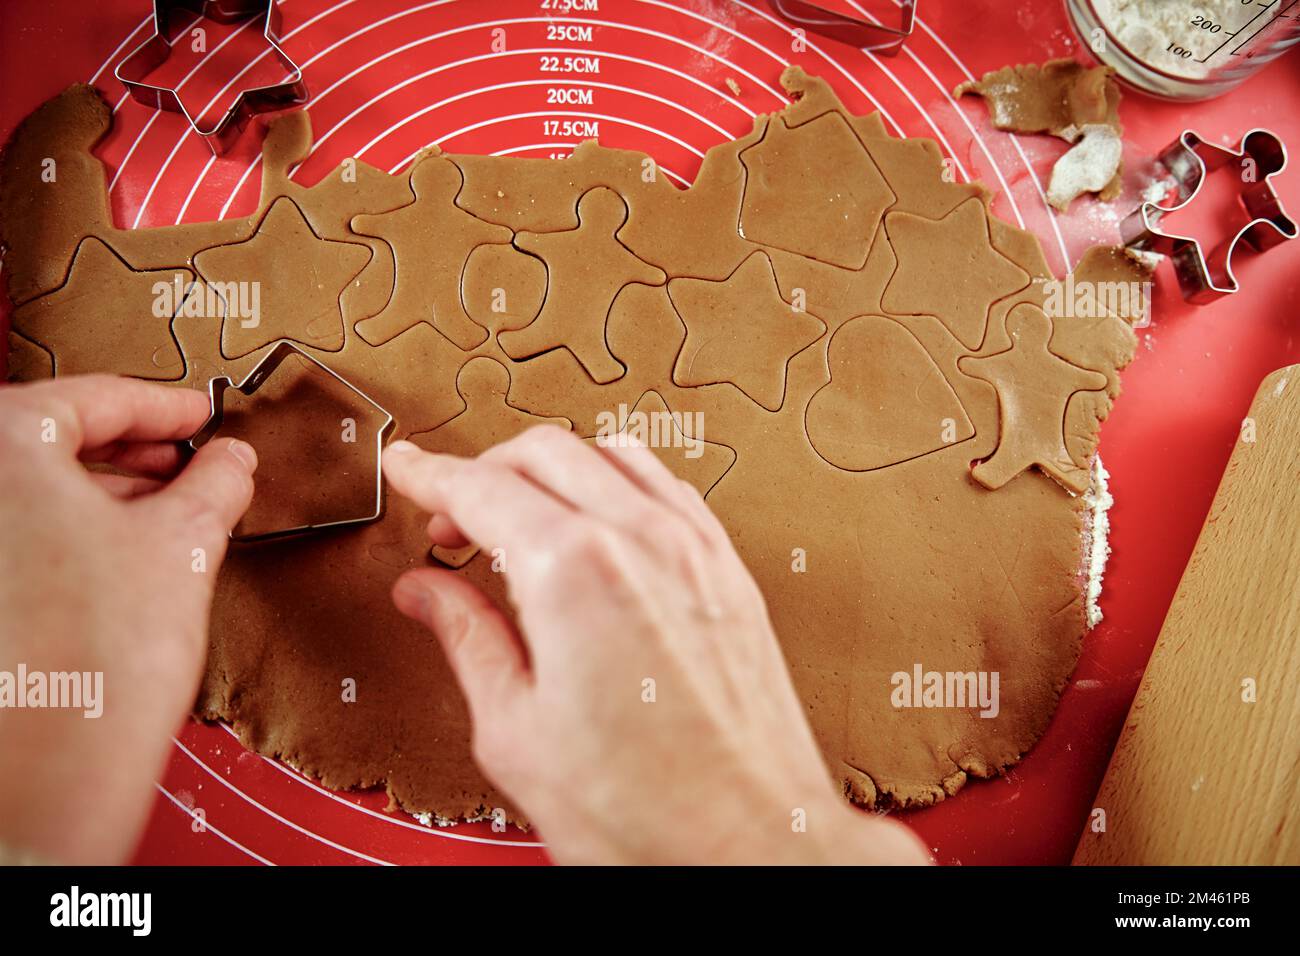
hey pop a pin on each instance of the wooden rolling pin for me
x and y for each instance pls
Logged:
(1207, 765)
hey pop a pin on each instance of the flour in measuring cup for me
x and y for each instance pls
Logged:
(1148, 28)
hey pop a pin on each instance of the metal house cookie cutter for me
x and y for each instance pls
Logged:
(263, 370)
(866, 34)
(154, 51)
(1205, 278)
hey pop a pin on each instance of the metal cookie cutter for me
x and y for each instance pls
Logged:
(871, 35)
(263, 370)
(1205, 278)
(152, 52)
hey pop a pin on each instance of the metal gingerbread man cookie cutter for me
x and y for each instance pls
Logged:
(260, 373)
(1204, 278)
(150, 54)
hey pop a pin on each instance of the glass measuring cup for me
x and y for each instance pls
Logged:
(1186, 49)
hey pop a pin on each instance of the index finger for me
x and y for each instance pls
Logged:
(494, 506)
(89, 411)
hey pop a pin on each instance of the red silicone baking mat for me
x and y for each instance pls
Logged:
(389, 77)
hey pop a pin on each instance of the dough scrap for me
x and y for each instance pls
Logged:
(874, 545)
(1089, 166)
(1068, 100)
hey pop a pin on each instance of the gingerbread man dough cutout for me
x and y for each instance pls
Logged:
(586, 266)
(431, 239)
(1033, 387)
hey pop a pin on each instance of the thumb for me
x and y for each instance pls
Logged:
(209, 496)
(485, 651)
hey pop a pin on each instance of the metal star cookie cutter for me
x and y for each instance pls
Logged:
(1189, 160)
(263, 370)
(150, 54)
(871, 35)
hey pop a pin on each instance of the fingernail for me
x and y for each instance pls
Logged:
(402, 447)
(245, 453)
(415, 596)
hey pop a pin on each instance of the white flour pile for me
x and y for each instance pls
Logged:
(1096, 538)
(1148, 28)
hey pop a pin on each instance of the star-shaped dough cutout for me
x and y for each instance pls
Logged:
(431, 239)
(1033, 387)
(105, 301)
(740, 331)
(587, 267)
(948, 268)
(676, 439)
(283, 282)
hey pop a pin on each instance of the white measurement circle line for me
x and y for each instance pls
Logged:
(477, 26)
(943, 140)
(386, 818)
(484, 124)
(820, 52)
(961, 114)
(646, 31)
(189, 26)
(617, 120)
(126, 95)
(880, 64)
(212, 828)
(537, 114)
(194, 189)
(780, 59)
(466, 94)
(974, 133)
(1015, 142)
(197, 66)
(445, 33)
(180, 141)
(275, 816)
(375, 25)
(113, 56)
(520, 149)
